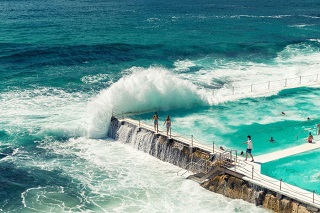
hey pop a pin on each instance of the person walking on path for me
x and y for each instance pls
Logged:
(168, 123)
(249, 148)
(155, 119)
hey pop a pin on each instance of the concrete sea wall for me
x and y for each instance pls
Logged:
(181, 154)
(237, 188)
(160, 146)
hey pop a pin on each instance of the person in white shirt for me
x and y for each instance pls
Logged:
(249, 148)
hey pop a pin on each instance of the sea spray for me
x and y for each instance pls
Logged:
(230, 80)
(46, 46)
(142, 90)
(158, 89)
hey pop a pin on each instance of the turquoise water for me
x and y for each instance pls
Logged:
(228, 124)
(299, 170)
(65, 66)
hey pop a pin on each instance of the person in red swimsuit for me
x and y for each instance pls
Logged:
(310, 138)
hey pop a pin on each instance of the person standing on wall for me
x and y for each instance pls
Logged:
(168, 123)
(155, 119)
(249, 148)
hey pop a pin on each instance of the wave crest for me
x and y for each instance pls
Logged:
(143, 90)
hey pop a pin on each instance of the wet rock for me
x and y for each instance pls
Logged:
(312, 209)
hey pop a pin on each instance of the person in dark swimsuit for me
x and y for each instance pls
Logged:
(310, 138)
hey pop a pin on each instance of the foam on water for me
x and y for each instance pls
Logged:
(112, 177)
(295, 61)
(91, 79)
(301, 55)
(242, 16)
(142, 90)
(43, 111)
(157, 88)
(183, 65)
(229, 123)
(45, 171)
(316, 40)
(232, 80)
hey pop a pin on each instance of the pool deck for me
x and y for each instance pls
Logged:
(252, 170)
(287, 152)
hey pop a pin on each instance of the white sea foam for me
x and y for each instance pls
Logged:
(239, 16)
(242, 79)
(316, 40)
(153, 19)
(301, 25)
(313, 17)
(143, 90)
(49, 111)
(299, 56)
(113, 177)
(253, 16)
(183, 65)
(158, 88)
(43, 110)
(91, 79)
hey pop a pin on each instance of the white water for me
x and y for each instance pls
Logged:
(118, 177)
(113, 177)
(154, 88)
(142, 90)
(234, 80)
(217, 82)
(43, 111)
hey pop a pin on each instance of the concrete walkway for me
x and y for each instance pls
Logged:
(175, 136)
(252, 170)
(287, 152)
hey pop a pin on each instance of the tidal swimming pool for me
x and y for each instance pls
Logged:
(301, 170)
(228, 124)
(220, 125)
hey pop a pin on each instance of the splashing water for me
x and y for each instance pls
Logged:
(143, 90)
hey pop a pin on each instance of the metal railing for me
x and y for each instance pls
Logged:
(305, 130)
(269, 86)
(232, 161)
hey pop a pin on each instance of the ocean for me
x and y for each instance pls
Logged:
(67, 65)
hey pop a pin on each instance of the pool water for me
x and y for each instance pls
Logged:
(301, 170)
(229, 123)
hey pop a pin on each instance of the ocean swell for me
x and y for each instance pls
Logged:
(142, 90)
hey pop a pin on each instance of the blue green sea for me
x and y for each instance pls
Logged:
(221, 69)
